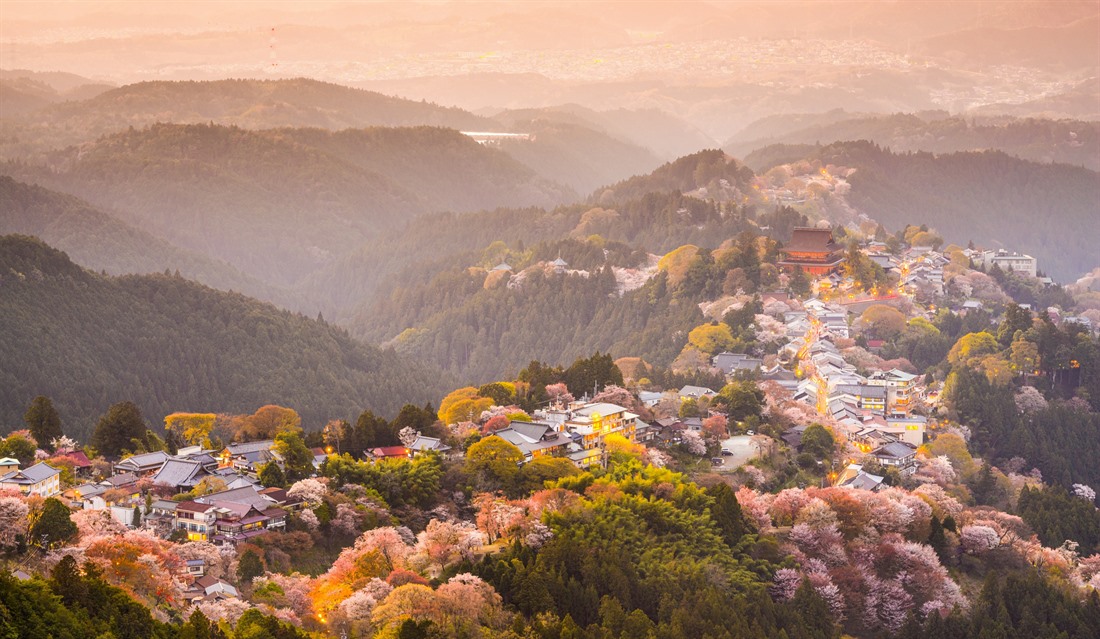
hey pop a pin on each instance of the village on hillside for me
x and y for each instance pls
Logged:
(217, 508)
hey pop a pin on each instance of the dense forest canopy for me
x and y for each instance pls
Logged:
(1061, 141)
(1048, 211)
(87, 341)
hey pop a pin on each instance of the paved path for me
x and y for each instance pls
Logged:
(743, 451)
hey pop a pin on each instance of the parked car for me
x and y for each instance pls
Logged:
(717, 461)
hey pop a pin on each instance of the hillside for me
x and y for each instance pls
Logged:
(254, 104)
(23, 91)
(1064, 141)
(1046, 210)
(348, 288)
(577, 156)
(722, 176)
(448, 309)
(449, 170)
(664, 134)
(1081, 101)
(1064, 47)
(169, 344)
(279, 204)
(102, 242)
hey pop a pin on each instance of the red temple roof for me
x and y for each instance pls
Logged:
(811, 240)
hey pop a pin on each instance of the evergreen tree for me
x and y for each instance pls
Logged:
(726, 513)
(54, 525)
(937, 539)
(249, 566)
(297, 458)
(272, 476)
(800, 285)
(68, 583)
(43, 421)
(120, 429)
(370, 432)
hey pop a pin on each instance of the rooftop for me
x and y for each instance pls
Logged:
(812, 240)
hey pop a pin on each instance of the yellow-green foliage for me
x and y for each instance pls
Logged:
(676, 263)
(972, 346)
(193, 428)
(711, 338)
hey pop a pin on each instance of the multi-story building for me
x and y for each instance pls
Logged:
(899, 386)
(1006, 261)
(813, 250)
(230, 516)
(41, 479)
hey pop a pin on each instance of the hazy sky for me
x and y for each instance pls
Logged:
(1007, 50)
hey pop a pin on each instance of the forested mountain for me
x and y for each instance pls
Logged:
(277, 204)
(449, 170)
(169, 344)
(662, 133)
(1045, 210)
(455, 312)
(1081, 102)
(102, 242)
(1072, 45)
(702, 170)
(1064, 141)
(23, 91)
(347, 289)
(578, 156)
(256, 104)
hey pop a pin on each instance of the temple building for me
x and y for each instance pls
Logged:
(813, 250)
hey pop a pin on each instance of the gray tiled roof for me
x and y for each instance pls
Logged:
(31, 475)
(250, 447)
(179, 472)
(144, 460)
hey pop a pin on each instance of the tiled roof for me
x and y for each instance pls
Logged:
(32, 475)
(812, 240)
(249, 447)
(179, 472)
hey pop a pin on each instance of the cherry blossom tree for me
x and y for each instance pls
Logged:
(613, 394)
(289, 592)
(1029, 400)
(755, 506)
(229, 610)
(311, 491)
(1084, 492)
(785, 584)
(769, 329)
(347, 520)
(63, 445)
(309, 518)
(407, 435)
(693, 443)
(816, 514)
(715, 427)
(977, 540)
(498, 517)
(362, 602)
(13, 521)
(215, 562)
(92, 523)
(559, 393)
(935, 470)
(444, 543)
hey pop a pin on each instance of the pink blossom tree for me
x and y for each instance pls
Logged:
(311, 491)
(977, 540)
(693, 443)
(13, 521)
